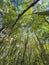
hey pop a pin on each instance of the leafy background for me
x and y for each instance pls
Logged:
(27, 43)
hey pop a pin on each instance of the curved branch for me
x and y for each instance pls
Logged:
(19, 16)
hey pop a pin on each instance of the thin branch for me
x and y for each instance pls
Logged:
(44, 13)
(19, 16)
(46, 20)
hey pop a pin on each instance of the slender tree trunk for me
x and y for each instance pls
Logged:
(43, 55)
(26, 42)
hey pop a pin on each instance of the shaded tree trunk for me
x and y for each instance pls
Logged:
(43, 54)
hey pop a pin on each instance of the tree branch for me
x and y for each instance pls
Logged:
(19, 16)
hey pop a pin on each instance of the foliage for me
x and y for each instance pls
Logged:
(27, 43)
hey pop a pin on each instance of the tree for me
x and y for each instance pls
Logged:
(26, 34)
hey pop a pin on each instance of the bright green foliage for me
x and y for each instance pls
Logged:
(28, 42)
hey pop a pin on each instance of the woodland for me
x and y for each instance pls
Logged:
(24, 32)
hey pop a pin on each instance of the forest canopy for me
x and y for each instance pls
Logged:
(24, 32)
